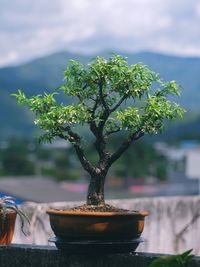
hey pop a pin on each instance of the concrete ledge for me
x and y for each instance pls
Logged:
(172, 227)
(46, 256)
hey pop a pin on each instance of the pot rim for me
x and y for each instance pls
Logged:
(96, 213)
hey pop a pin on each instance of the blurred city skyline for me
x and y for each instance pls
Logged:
(31, 29)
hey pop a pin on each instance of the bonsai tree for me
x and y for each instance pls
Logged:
(109, 96)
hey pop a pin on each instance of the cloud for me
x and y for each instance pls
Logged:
(31, 29)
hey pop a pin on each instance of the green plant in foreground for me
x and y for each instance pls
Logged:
(182, 260)
(8, 203)
(110, 97)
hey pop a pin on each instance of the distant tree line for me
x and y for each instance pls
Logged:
(20, 157)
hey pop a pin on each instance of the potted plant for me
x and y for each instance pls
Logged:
(110, 97)
(8, 212)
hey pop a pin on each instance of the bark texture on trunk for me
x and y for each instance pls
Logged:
(95, 194)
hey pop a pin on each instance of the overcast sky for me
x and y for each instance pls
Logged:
(33, 28)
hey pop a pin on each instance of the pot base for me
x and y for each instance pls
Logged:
(96, 246)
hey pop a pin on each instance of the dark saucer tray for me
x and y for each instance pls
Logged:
(96, 246)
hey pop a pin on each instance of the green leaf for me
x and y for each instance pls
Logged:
(182, 260)
(133, 96)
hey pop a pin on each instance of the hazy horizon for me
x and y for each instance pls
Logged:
(30, 30)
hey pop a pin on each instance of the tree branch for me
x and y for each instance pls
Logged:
(124, 146)
(97, 130)
(111, 132)
(75, 139)
(74, 136)
(94, 108)
(105, 105)
(119, 103)
(107, 113)
(85, 162)
(92, 123)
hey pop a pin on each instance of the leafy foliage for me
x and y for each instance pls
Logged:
(105, 85)
(182, 260)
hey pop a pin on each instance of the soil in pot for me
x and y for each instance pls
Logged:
(96, 208)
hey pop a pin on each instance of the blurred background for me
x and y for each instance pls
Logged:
(38, 38)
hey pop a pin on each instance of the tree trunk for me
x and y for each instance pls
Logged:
(95, 194)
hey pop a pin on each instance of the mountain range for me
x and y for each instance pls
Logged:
(46, 73)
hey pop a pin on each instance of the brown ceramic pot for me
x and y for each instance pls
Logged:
(97, 225)
(7, 226)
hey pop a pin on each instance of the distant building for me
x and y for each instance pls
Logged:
(193, 163)
(184, 161)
